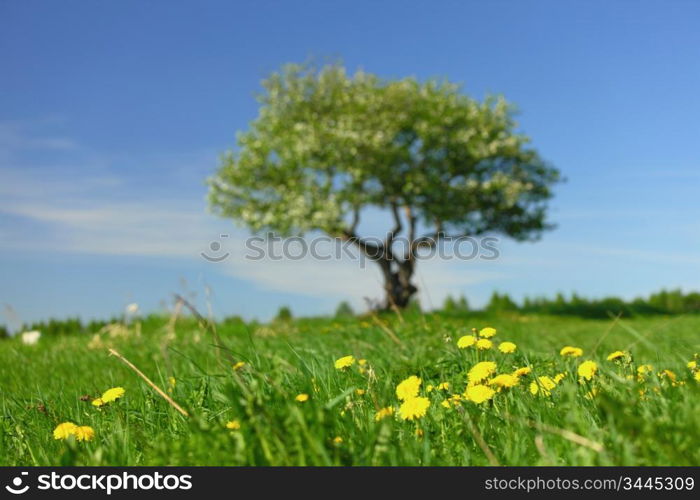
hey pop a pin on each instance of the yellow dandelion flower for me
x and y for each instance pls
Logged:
(521, 372)
(443, 386)
(429, 388)
(360, 392)
(504, 381)
(644, 369)
(543, 385)
(234, 425)
(587, 370)
(344, 362)
(559, 377)
(337, 440)
(507, 347)
(668, 374)
(613, 356)
(62, 431)
(697, 376)
(452, 401)
(479, 393)
(692, 365)
(302, 398)
(383, 413)
(408, 388)
(481, 371)
(466, 341)
(484, 344)
(97, 402)
(172, 382)
(362, 362)
(113, 394)
(238, 366)
(574, 352)
(487, 332)
(84, 433)
(414, 408)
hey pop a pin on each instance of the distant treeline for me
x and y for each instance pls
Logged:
(68, 326)
(73, 326)
(663, 302)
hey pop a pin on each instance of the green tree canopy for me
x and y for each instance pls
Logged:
(327, 145)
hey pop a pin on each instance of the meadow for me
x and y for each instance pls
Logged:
(324, 392)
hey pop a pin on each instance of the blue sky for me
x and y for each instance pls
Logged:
(112, 114)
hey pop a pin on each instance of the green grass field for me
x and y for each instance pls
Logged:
(630, 420)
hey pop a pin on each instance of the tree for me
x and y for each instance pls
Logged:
(449, 305)
(462, 304)
(284, 314)
(344, 310)
(327, 145)
(459, 305)
(501, 303)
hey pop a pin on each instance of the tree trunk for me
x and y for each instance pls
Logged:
(397, 273)
(397, 283)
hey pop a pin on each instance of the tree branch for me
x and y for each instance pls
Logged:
(355, 220)
(429, 240)
(369, 249)
(398, 226)
(411, 232)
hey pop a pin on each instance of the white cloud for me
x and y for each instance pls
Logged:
(574, 251)
(340, 279)
(91, 210)
(40, 183)
(16, 136)
(109, 228)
